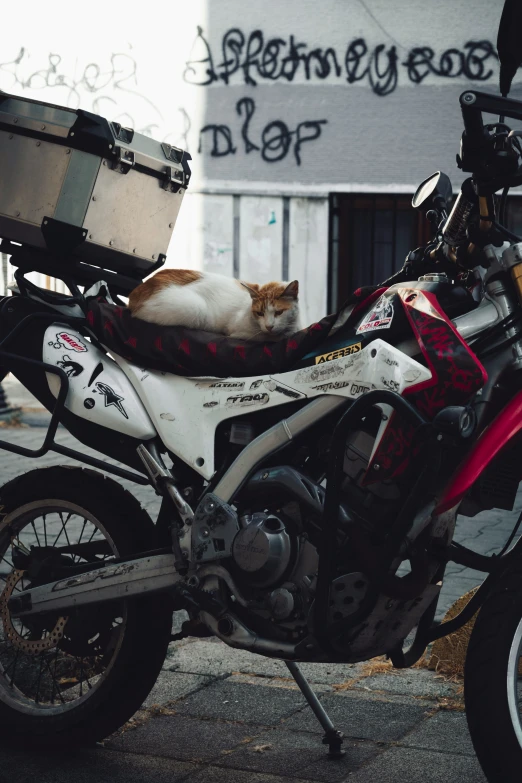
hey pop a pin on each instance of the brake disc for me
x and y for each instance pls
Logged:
(29, 646)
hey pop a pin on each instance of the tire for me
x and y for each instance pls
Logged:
(491, 675)
(108, 657)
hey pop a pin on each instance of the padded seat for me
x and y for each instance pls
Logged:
(194, 353)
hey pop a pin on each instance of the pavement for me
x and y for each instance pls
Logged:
(218, 714)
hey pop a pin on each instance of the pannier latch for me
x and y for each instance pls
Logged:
(123, 160)
(174, 179)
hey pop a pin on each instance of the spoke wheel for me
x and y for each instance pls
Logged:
(493, 681)
(77, 676)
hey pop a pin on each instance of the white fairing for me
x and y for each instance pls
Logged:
(187, 411)
(98, 390)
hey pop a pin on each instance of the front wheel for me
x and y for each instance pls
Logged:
(493, 681)
(76, 678)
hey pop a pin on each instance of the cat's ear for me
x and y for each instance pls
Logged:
(252, 288)
(291, 291)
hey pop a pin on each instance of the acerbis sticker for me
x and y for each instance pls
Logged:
(379, 317)
(348, 350)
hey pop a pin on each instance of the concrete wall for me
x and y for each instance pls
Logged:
(278, 103)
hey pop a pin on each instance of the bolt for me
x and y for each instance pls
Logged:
(90, 236)
(94, 198)
(104, 162)
(205, 532)
(184, 553)
(210, 506)
(439, 437)
(38, 143)
(171, 225)
(469, 97)
(376, 466)
(153, 258)
(43, 127)
(46, 222)
(17, 213)
(67, 151)
(71, 133)
(265, 476)
(133, 249)
(111, 243)
(110, 146)
(15, 120)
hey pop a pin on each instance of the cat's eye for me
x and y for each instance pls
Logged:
(259, 313)
(279, 312)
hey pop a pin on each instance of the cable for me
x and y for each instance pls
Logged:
(503, 205)
(511, 537)
(506, 231)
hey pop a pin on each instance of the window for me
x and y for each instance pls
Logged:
(370, 236)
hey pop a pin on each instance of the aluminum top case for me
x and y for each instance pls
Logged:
(76, 185)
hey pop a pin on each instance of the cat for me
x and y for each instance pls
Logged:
(215, 303)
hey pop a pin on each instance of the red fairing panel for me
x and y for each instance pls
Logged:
(504, 427)
(456, 375)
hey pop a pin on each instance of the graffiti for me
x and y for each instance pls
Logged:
(254, 57)
(276, 141)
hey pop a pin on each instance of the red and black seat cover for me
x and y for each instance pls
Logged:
(190, 352)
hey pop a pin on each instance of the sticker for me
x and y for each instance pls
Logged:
(380, 317)
(111, 398)
(211, 404)
(89, 403)
(241, 400)
(339, 353)
(66, 340)
(358, 388)
(317, 373)
(71, 369)
(167, 416)
(388, 383)
(283, 390)
(227, 385)
(97, 370)
(324, 387)
(256, 384)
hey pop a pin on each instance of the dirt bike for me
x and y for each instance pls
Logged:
(310, 487)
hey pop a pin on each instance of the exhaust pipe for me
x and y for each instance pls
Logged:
(121, 580)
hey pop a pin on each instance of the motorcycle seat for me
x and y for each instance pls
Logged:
(195, 353)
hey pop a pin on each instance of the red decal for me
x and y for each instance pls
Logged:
(108, 325)
(291, 345)
(239, 352)
(118, 311)
(267, 350)
(157, 344)
(316, 327)
(71, 342)
(185, 347)
(132, 341)
(212, 348)
(90, 318)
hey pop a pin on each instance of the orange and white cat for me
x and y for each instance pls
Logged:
(215, 303)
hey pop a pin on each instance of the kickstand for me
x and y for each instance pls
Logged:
(332, 737)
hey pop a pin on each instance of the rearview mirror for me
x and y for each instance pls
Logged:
(434, 193)
(509, 45)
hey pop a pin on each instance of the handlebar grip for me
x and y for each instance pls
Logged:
(472, 116)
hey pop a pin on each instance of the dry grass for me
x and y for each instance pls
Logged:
(448, 654)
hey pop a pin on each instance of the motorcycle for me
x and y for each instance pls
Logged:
(309, 499)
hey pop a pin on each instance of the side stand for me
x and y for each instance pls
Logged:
(332, 737)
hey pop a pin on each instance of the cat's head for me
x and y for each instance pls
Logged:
(275, 307)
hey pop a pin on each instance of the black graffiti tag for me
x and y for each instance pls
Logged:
(276, 137)
(258, 57)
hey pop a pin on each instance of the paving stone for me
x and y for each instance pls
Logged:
(171, 685)
(445, 731)
(358, 717)
(89, 766)
(408, 765)
(413, 682)
(220, 775)
(216, 658)
(299, 754)
(183, 738)
(228, 700)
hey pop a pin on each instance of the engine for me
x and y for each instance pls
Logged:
(275, 565)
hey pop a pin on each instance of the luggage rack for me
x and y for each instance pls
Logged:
(11, 360)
